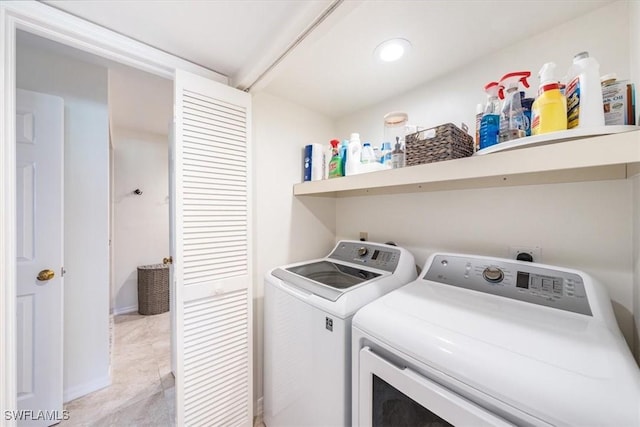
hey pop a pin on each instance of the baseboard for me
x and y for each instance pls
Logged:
(72, 393)
(259, 412)
(124, 310)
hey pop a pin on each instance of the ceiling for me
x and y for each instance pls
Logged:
(332, 70)
(233, 38)
(138, 101)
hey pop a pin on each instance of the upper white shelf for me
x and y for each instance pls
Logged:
(597, 158)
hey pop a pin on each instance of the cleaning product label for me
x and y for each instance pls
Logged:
(527, 103)
(535, 123)
(335, 167)
(573, 103)
(616, 103)
(308, 150)
(489, 130)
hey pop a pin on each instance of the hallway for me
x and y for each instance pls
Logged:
(142, 392)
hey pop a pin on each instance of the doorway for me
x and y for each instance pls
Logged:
(108, 230)
(200, 174)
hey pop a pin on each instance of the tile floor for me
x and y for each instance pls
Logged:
(142, 390)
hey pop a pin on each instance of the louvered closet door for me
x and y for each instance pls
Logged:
(211, 251)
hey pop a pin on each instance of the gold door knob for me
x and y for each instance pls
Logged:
(168, 260)
(45, 275)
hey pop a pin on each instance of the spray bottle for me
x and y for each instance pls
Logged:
(490, 122)
(512, 120)
(335, 165)
(549, 111)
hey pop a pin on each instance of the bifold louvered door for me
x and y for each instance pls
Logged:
(211, 252)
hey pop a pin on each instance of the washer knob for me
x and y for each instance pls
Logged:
(493, 274)
(362, 251)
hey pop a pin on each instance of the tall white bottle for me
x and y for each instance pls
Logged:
(584, 93)
(352, 165)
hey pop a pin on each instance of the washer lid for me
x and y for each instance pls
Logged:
(325, 278)
(332, 274)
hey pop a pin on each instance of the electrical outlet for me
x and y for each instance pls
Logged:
(364, 236)
(534, 251)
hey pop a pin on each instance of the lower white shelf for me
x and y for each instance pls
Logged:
(598, 158)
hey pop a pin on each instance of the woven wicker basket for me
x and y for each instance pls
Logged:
(153, 289)
(444, 142)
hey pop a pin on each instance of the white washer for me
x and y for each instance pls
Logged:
(307, 329)
(486, 341)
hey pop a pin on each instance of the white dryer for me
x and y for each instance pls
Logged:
(307, 329)
(484, 341)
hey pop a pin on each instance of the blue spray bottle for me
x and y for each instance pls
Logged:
(490, 123)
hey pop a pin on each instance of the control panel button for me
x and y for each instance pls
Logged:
(362, 251)
(493, 274)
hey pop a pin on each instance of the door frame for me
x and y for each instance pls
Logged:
(50, 23)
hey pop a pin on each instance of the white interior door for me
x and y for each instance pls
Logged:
(39, 157)
(211, 253)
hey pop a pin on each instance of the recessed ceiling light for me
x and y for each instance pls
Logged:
(391, 50)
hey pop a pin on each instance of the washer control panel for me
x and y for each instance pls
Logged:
(366, 253)
(529, 283)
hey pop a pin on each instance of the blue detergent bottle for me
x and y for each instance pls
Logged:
(344, 148)
(490, 123)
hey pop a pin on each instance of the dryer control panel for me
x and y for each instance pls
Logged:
(382, 257)
(516, 280)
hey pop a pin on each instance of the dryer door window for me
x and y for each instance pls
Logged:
(392, 408)
(391, 395)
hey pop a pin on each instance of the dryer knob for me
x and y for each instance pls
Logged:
(362, 251)
(493, 274)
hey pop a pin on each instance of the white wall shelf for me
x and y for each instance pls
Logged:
(599, 158)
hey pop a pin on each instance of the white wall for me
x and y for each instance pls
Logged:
(86, 196)
(584, 225)
(287, 229)
(604, 33)
(587, 226)
(140, 223)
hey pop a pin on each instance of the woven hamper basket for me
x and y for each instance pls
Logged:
(444, 142)
(153, 289)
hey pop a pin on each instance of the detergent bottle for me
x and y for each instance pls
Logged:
(367, 155)
(344, 148)
(490, 122)
(354, 152)
(386, 154)
(549, 111)
(512, 119)
(584, 93)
